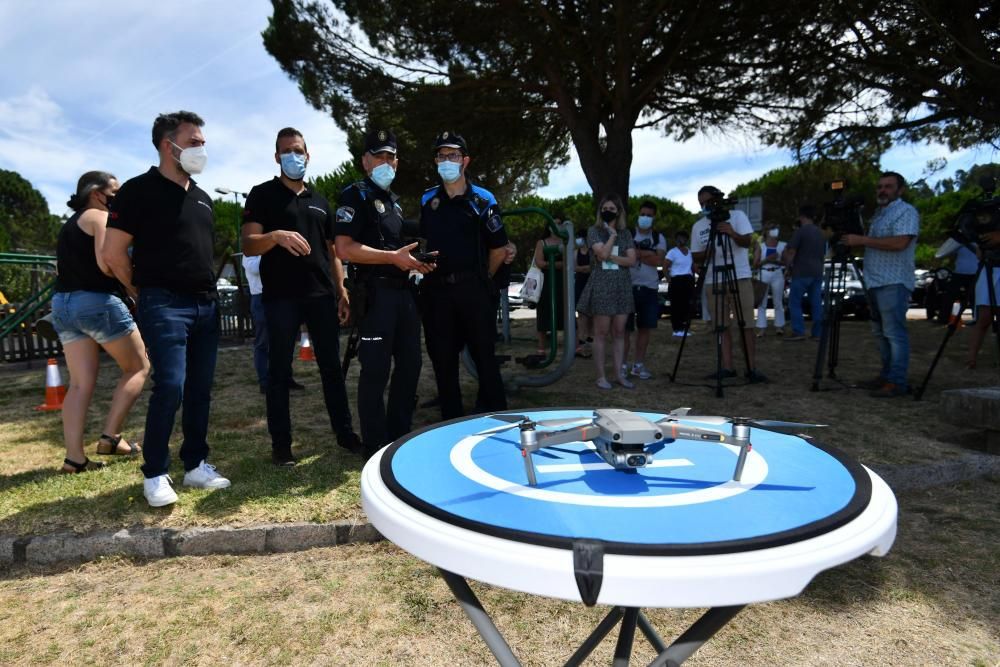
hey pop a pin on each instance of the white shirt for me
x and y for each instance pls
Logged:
(740, 256)
(644, 274)
(251, 266)
(680, 263)
(767, 251)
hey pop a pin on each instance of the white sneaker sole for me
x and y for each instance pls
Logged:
(210, 485)
(162, 502)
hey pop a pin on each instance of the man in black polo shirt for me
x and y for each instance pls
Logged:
(369, 231)
(461, 221)
(168, 221)
(290, 226)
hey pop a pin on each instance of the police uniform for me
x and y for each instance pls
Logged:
(459, 297)
(390, 328)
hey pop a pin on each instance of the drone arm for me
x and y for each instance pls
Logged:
(579, 433)
(676, 430)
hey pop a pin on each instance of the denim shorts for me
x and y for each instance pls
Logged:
(97, 315)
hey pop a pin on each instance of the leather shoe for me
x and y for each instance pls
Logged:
(352, 443)
(283, 458)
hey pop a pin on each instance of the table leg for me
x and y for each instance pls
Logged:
(480, 619)
(651, 635)
(595, 637)
(694, 637)
(623, 649)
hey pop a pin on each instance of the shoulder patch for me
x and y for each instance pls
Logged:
(494, 223)
(345, 214)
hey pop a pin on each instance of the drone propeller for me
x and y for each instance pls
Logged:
(518, 419)
(718, 421)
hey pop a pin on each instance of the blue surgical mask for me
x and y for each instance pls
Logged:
(579, 242)
(705, 211)
(293, 165)
(449, 171)
(383, 175)
(645, 221)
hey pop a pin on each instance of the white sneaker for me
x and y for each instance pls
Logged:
(624, 372)
(205, 477)
(639, 371)
(158, 491)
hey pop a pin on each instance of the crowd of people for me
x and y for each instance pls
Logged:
(136, 278)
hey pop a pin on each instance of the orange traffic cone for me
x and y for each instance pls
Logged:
(54, 389)
(305, 349)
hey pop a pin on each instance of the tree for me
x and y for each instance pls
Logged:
(911, 70)
(25, 221)
(542, 70)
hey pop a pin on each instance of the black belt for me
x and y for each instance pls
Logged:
(392, 283)
(772, 268)
(452, 278)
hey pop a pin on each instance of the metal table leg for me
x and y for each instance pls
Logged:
(684, 646)
(480, 619)
(596, 637)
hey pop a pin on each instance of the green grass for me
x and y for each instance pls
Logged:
(325, 486)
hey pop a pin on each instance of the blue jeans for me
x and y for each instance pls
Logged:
(181, 332)
(260, 339)
(798, 288)
(888, 308)
(284, 317)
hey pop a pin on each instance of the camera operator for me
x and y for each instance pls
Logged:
(889, 249)
(988, 242)
(739, 231)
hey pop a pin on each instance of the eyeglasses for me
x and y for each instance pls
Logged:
(448, 157)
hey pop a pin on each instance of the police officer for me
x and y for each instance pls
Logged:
(291, 227)
(369, 235)
(461, 221)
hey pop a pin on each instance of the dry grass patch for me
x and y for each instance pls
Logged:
(324, 487)
(935, 600)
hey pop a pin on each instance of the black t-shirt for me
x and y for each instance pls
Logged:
(173, 233)
(284, 275)
(371, 216)
(463, 229)
(76, 260)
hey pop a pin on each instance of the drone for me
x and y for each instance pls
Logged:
(627, 441)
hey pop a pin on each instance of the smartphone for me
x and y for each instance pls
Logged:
(426, 257)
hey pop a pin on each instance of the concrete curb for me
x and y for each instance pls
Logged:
(150, 542)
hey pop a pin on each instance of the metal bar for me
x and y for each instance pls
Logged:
(700, 632)
(596, 637)
(480, 619)
(623, 649)
(650, 632)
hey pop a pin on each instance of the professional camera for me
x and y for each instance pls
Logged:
(718, 207)
(842, 216)
(645, 244)
(978, 217)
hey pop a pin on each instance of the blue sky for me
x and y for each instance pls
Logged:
(83, 81)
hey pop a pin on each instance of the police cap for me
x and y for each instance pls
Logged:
(380, 141)
(450, 140)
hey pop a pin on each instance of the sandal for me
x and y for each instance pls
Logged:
(76, 468)
(604, 384)
(111, 445)
(626, 383)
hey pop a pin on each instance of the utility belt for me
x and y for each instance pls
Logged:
(390, 282)
(772, 268)
(451, 278)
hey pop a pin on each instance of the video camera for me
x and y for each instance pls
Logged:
(978, 217)
(717, 208)
(842, 215)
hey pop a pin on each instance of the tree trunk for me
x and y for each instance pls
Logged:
(607, 168)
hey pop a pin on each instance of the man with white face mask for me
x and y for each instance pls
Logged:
(369, 228)
(291, 228)
(168, 221)
(651, 248)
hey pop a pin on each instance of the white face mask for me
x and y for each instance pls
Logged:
(773, 233)
(193, 159)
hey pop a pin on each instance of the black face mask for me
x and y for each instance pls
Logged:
(107, 201)
(609, 216)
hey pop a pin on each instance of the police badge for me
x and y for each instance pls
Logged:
(379, 206)
(435, 203)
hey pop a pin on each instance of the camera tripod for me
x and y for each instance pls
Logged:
(987, 265)
(724, 283)
(835, 284)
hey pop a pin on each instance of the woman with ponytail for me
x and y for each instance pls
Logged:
(88, 313)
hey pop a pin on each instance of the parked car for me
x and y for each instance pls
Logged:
(514, 290)
(854, 300)
(922, 278)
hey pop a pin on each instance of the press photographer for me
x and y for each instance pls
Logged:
(889, 250)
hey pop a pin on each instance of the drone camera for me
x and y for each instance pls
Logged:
(636, 461)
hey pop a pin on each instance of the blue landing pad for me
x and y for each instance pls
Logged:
(470, 473)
